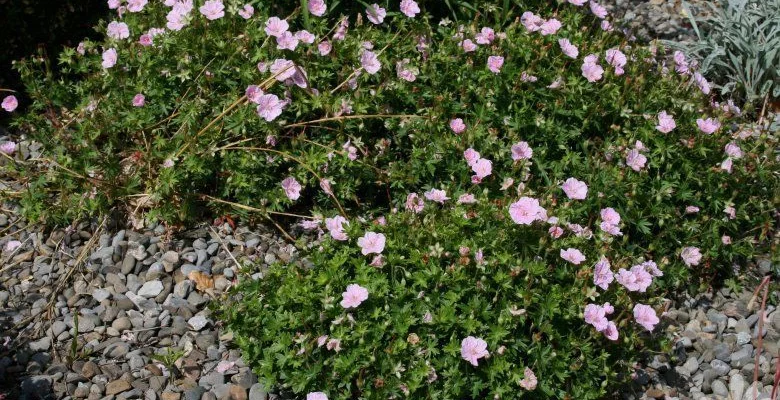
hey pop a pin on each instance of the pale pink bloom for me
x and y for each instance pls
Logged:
(606, 26)
(305, 36)
(617, 59)
(479, 257)
(613, 230)
(472, 349)
(117, 30)
(81, 48)
(376, 14)
(531, 21)
(310, 225)
(590, 70)
(652, 268)
(213, 9)
(645, 315)
(725, 239)
(482, 168)
(269, 107)
(457, 126)
(248, 11)
(410, 8)
(291, 188)
(609, 215)
(335, 226)
(681, 65)
(708, 126)
(691, 210)
(10, 103)
(414, 203)
(286, 41)
(354, 295)
(377, 261)
(701, 81)
(555, 232)
(325, 186)
(611, 331)
(526, 77)
(485, 36)
(598, 10)
(145, 40)
(495, 63)
(471, 156)
(466, 198)
(322, 340)
(168, 163)
(324, 48)
(575, 189)
(109, 58)
(139, 100)
(726, 165)
(404, 71)
(635, 279)
(370, 62)
(635, 160)
(529, 380)
(526, 210)
(573, 256)
(602, 274)
(691, 255)
(282, 69)
(371, 242)
(341, 31)
(12, 245)
(578, 2)
(556, 83)
(522, 151)
(468, 45)
(550, 26)
(730, 212)
(114, 4)
(595, 315)
(569, 49)
(437, 195)
(316, 395)
(334, 344)
(275, 26)
(733, 150)
(253, 93)
(136, 5)
(8, 147)
(317, 7)
(507, 183)
(665, 122)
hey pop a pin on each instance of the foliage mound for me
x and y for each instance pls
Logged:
(589, 161)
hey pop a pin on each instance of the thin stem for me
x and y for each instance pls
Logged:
(353, 117)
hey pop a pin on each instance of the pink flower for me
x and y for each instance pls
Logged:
(472, 349)
(248, 11)
(598, 10)
(652, 268)
(726, 165)
(596, 315)
(316, 395)
(457, 125)
(286, 41)
(495, 63)
(109, 58)
(213, 9)
(635, 160)
(335, 226)
(732, 150)
(370, 62)
(291, 188)
(324, 47)
(578, 2)
(708, 126)
(701, 81)
(269, 107)
(305, 36)
(8, 147)
(691, 209)
(275, 26)
(404, 71)
(569, 49)
(635, 279)
(531, 21)
(325, 186)
(665, 122)
(468, 45)
(725, 239)
(526, 77)
(376, 14)
(168, 163)
(617, 59)
(177, 17)
(529, 381)
(414, 203)
(610, 216)
(602, 274)
(136, 5)
(611, 331)
(482, 168)
(730, 212)
(139, 100)
(437, 195)
(81, 48)
(466, 198)
(322, 340)
(526, 210)
(282, 69)
(485, 36)
(114, 4)
(341, 31)
(253, 93)
(12, 245)
(353, 296)
(10, 103)
(575, 189)
(522, 151)
(573, 256)
(334, 344)
(606, 26)
(117, 30)
(410, 8)
(371, 242)
(550, 26)
(645, 315)
(145, 40)
(555, 232)
(590, 70)
(691, 255)
(471, 156)
(317, 7)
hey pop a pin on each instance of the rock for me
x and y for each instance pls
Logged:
(257, 392)
(737, 386)
(150, 289)
(117, 386)
(90, 369)
(122, 324)
(168, 395)
(142, 303)
(194, 393)
(100, 294)
(211, 379)
(720, 367)
(742, 356)
(237, 393)
(41, 385)
(198, 322)
(220, 391)
(157, 383)
(116, 350)
(653, 393)
(691, 365)
(41, 344)
(719, 388)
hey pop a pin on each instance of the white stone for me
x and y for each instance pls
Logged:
(198, 322)
(150, 289)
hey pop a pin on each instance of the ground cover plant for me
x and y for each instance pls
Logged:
(523, 186)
